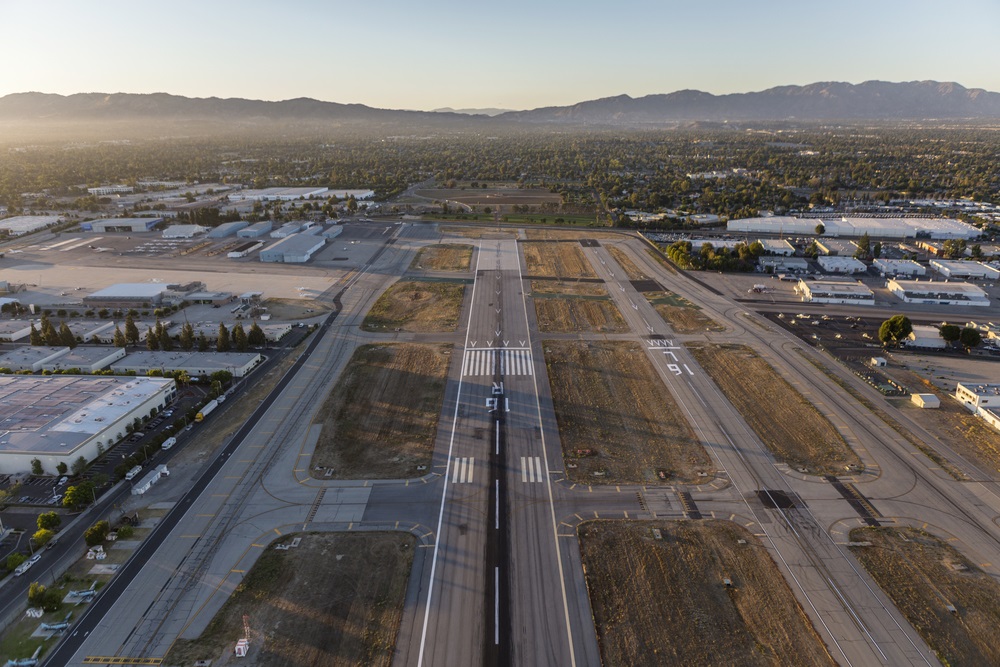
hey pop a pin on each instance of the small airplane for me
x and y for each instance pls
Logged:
(102, 249)
(85, 594)
(57, 627)
(25, 662)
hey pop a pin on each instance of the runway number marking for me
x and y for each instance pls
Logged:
(667, 347)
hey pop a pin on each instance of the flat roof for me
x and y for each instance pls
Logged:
(84, 355)
(836, 287)
(56, 413)
(897, 263)
(937, 287)
(180, 359)
(131, 290)
(296, 243)
(127, 221)
(837, 260)
(22, 224)
(30, 354)
(984, 389)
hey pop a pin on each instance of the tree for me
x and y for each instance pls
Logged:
(222, 343)
(951, 332)
(222, 377)
(256, 337)
(96, 533)
(877, 250)
(40, 595)
(187, 336)
(820, 229)
(895, 329)
(79, 466)
(36, 467)
(66, 336)
(15, 559)
(35, 336)
(61, 467)
(203, 342)
(119, 338)
(42, 536)
(240, 338)
(970, 338)
(48, 521)
(152, 340)
(131, 330)
(78, 496)
(864, 250)
(166, 342)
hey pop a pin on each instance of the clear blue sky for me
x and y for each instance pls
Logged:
(513, 54)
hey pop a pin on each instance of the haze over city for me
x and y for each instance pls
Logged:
(520, 55)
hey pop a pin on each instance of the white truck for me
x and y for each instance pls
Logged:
(130, 475)
(206, 410)
(168, 443)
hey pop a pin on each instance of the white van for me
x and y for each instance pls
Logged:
(131, 474)
(168, 443)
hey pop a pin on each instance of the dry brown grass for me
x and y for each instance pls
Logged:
(443, 257)
(608, 399)
(379, 422)
(493, 196)
(569, 315)
(788, 425)
(922, 574)
(476, 232)
(683, 320)
(562, 287)
(294, 309)
(624, 261)
(662, 602)
(416, 306)
(336, 599)
(543, 233)
(556, 260)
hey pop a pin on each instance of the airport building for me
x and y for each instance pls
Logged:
(828, 291)
(332, 232)
(924, 337)
(59, 418)
(938, 293)
(245, 249)
(279, 194)
(111, 225)
(25, 224)
(778, 247)
(899, 267)
(295, 249)
(783, 264)
(951, 268)
(183, 231)
(227, 229)
(195, 364)
(895, 228)
(839, 247)
(128, 295)
(256, 230)
(837, 264)
(286, 230)
(975, 396)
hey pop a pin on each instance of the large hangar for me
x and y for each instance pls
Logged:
(59, 418)
(121, 225)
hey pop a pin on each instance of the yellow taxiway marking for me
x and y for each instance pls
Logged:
(238, 571)
(277, 531)
(259, 546)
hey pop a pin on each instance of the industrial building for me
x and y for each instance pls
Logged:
(347, 194)
(837, 264)
(121, 225)
(783, 264)
(85, 359)
(59, 418)
(278, 194)
(25, 224)
(286, 230)
(951, 268)
(227, 229)
(128, 295)
(245, 249)
(899, 267)
(839, 247)
(105, 190)
(896, 228)
(195, 364)
(938, 293)
(924, 337)
(828, 291)
(256, 230)
(778, 247)
(926, 401)
(213, 298)
(30, 358)
(975, 396)
(295, 249)
(183, 231)
(147, 481)
(12, 331)
(332, 232)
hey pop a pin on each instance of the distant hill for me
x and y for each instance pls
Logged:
(488, 111)
(872, 100)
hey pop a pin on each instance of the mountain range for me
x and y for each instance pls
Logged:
(871, 100)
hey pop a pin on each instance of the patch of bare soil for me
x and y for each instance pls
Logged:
(556, 260)
(380, 420)
(663, 601)
(568, 315)
(624, 261)
(416, 306)
(296, 309)
(788, 425)
(335, 599)
(618, 423)
(443, 257)
(923, 575)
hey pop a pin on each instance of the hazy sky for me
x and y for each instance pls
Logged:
(512, 54)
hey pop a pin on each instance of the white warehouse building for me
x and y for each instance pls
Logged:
(938, 293)
(899, 267)
(59, 418)
(897, 228)
(295, 249)
(952, 268)
(837, 264)
(829, 291)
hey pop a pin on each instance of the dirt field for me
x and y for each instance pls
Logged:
(961, 430)
(683, 316)
(922, 574)
(542, 234)
(624, 261)
(556, 260)
(569, 315)
(335, 599)
(791, 427)
(443, 257)
(563, 288)
(379, 422)
(663, 602)
(416, 306)
(617, 422)
(476, 232)
(493, 196)
(295, 309)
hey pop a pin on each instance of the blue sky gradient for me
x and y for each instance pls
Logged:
(516, 54)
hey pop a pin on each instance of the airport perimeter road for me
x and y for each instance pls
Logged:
(847, 609)
(496, 591)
